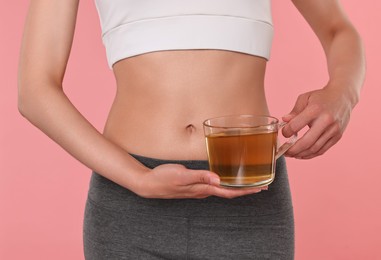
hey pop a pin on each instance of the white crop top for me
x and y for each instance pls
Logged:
(133, 27)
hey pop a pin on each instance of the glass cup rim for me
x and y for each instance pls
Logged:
(274, 122)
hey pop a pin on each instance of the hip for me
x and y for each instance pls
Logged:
(119, 224)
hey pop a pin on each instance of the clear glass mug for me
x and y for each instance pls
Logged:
(243, 149)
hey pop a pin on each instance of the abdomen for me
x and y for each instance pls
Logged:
(163, 98)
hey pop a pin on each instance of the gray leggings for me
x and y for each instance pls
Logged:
(119, 224)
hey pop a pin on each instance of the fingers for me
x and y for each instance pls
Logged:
(200, 176)
(176, 181)
(300, 116)
(203, 191)
(299, 106)
(326, 114)
(234, 192)
(324, 130)
(323, 134)
(313, 139)
(326, 141)
(202, 184)
(298, 122)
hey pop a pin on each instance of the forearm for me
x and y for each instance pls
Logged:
(346, 63)
(50, 110)
(341, 43)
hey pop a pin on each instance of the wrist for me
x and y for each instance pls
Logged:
(123, 169)
(135, 179)
(346, 90)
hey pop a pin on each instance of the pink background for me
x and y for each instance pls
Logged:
(337, 197)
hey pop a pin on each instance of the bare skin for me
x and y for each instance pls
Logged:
(163, 97)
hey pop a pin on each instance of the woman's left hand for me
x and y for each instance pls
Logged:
(326, 112)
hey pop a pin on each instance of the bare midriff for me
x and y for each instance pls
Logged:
(163, 98)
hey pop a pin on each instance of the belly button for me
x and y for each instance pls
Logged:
(190, 128)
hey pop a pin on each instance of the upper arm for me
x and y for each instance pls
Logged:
(47, 40)
(326, 18)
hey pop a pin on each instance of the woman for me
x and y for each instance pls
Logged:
(177, 64)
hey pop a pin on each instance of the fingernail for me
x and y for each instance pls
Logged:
(287, 117)
(214, 180)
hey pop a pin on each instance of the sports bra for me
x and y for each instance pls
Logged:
(133, 27)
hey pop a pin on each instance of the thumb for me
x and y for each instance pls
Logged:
(203, 176)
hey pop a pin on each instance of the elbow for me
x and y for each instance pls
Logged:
(27, 110)
(22, 102)
(36, 98)
(36, 93)
(36, 90)
(24, 94)
(29, 99)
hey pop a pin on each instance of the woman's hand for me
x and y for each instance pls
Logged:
(326, 112)
(175, 181)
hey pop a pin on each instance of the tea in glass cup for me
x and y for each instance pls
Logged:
(242, 149)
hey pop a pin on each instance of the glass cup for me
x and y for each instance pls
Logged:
(243, 149)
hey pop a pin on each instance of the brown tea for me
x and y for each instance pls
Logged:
(242, 159)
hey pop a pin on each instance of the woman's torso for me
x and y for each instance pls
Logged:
(163, 97)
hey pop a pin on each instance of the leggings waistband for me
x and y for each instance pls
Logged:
(154, 162)
(110, 195)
